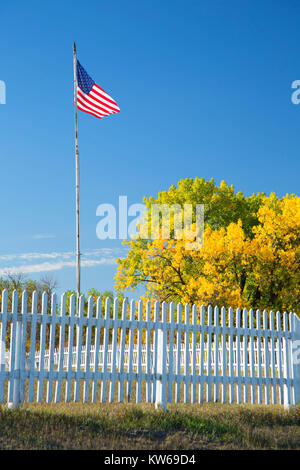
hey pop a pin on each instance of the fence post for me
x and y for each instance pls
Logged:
(17, 359)
(296, 358)
(16, 399)
(287, 364)
(160, 396)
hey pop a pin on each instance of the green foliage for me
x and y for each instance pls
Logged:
(222, 204)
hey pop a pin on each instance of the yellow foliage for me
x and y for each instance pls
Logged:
(255, 267)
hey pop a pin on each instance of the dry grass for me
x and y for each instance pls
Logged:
(128, 426)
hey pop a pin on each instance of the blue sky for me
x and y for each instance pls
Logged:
(204, 89)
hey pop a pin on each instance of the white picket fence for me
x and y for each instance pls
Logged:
(159, 354)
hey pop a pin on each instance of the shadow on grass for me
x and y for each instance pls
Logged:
(128, 426)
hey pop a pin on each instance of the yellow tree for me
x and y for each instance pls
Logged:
(276, 254)
(251, 261)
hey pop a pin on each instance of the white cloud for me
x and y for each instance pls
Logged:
(41, 236)
(43, 267)
(89, 258)
(30, 256)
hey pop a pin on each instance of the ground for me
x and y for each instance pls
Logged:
(129, 426)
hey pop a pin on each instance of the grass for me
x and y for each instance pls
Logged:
(127, 426)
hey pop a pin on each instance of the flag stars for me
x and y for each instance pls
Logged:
(91, 98)
(85, 82)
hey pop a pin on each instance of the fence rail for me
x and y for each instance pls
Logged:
(161, 351)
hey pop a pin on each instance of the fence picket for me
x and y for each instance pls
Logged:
(96, 349)
(194, 341)
(70, 348)
(279, 356)
(105, 349)
(187, 353)
(122, 349)
(60, 369)
(114, 350)
(266, 353)
(171, 351)
(51, 349)
(209, 335)
(224, 356)
(88, 333)
(139, 353)
(13, 359)
(42, 348)
(164, 356)
(3, 344)
(259, 337)
(245, 351)
(23, 347)
(159, 365)
(79, 324)
(295, 356)
(202, 352)
(32, 346)
(238, 355)
(131, 342)
(178, 353)
(252, 368)
(216, 354)
(231, 370)
(155, 352)
(148, 352)
(273, 370)
(286, 362)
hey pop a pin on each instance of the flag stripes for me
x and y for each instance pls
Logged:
(91, 98)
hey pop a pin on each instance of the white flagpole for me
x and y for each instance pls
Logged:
(77, 176)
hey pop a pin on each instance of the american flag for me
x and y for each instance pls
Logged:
(91, 98)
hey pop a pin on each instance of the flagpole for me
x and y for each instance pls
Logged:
(77, 176)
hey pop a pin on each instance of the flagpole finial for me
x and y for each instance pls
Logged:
(74, 47)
